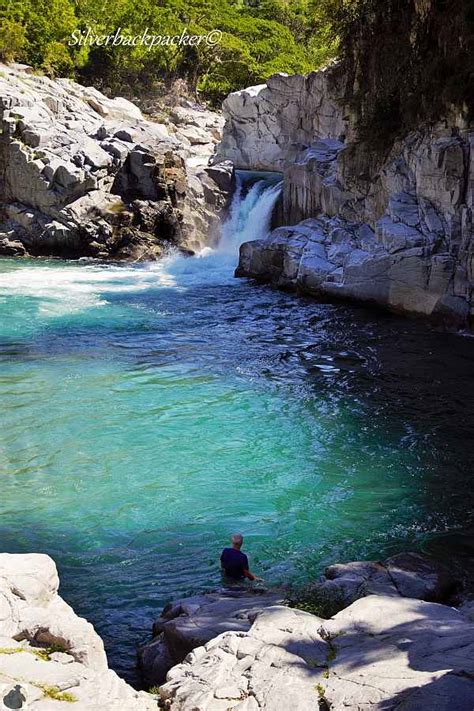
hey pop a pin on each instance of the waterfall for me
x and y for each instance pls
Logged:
(67, 288)
(250, 213)
(249, 219)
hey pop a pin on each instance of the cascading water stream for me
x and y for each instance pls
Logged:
(250, 213)
(249, 219)
(72, 288)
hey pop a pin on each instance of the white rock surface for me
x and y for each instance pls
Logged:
(43, 643)
(191, 622)
(73, 163)
(381, 653)
(264, 123)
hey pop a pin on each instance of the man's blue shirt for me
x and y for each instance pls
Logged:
(234, 563)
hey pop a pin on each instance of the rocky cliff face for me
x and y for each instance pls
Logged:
(392, 227)
(49, 657)
(84, 175)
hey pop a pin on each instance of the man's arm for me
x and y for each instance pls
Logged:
(248, 573)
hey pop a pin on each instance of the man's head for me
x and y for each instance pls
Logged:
(237, 539)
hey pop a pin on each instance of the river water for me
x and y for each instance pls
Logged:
(149, 411)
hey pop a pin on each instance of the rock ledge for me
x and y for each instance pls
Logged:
(49, 657)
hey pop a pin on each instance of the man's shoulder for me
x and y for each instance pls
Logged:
(234, 553)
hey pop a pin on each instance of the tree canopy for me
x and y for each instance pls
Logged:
(256, 39)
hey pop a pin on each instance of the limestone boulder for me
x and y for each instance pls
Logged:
(420, 577)
(278, 661)
(49, 657)
(406, 574)
(381, 652)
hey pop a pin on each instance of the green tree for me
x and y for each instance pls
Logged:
(12, 40)
(259, 37)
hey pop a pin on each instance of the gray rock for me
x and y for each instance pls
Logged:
(64, 145)
(406, 574)
(262, 122)
(379, 653)
(396, 236)
(417, 196)
(192, 622)
(417, 576)
(467, 609)
(271, 665)
(10, 246)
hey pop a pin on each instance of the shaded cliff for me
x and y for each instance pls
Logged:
(406, 62)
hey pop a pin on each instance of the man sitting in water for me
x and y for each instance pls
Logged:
(234, 563)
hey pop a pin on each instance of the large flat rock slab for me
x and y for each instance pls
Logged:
(194, 621)
(381, 653)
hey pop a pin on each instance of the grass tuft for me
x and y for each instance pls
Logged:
(54, 692)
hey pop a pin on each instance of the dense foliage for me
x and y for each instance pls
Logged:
(259, 37)
(406, 61)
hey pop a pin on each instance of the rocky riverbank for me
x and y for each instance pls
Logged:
(391, 643)
(49, 657)
(82, 175)
(389, 226)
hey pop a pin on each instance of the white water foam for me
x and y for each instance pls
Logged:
(249, 219)
(62, 289)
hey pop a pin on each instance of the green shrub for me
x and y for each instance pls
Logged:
(318, 601)
(12, 40)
